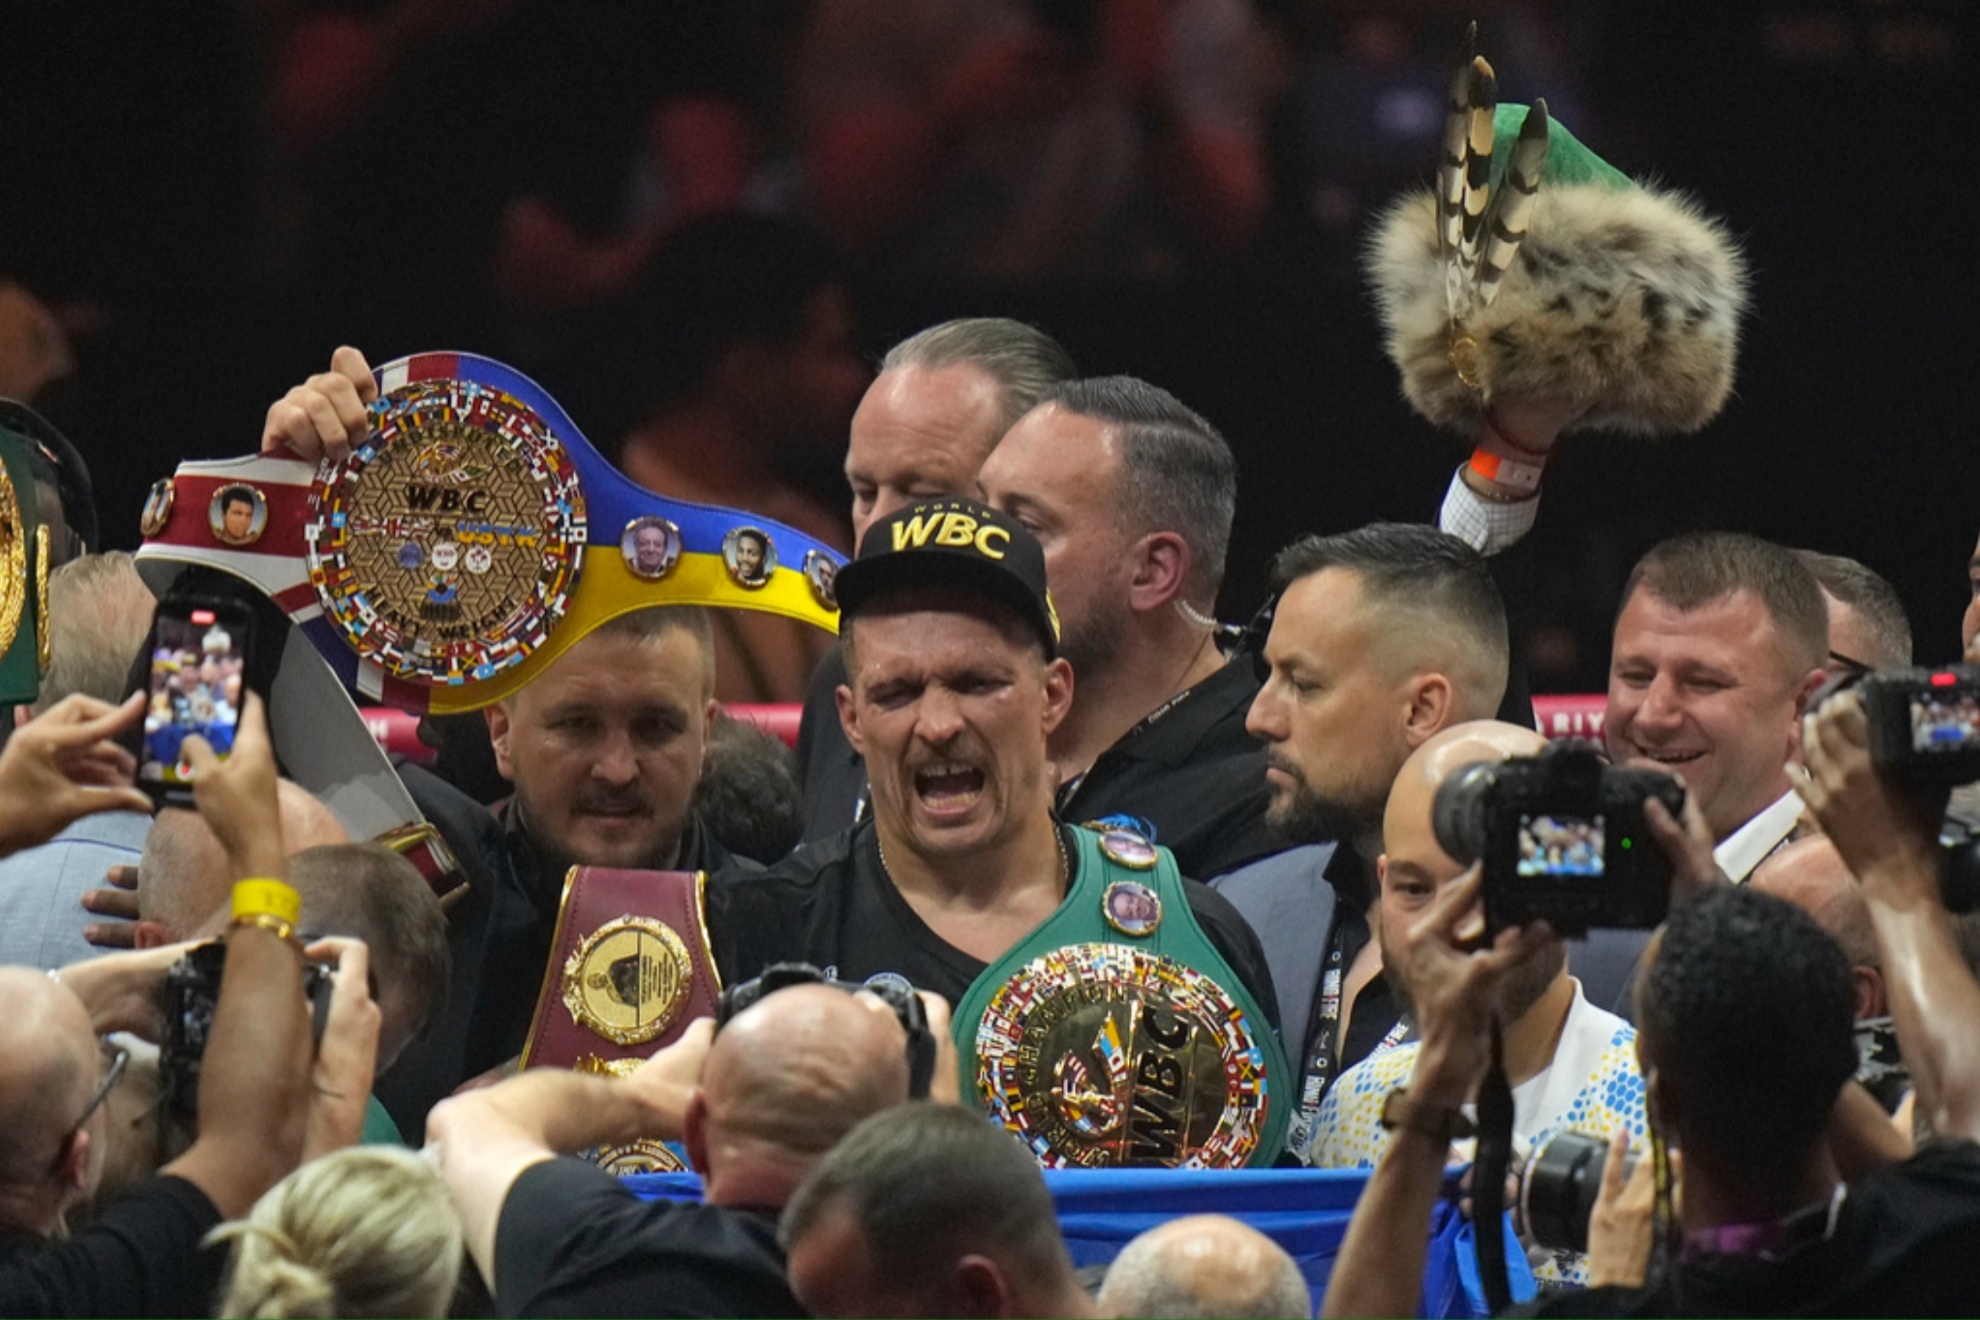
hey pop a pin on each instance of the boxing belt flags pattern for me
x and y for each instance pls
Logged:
(471, 539)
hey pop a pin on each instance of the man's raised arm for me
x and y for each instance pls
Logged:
(1888, 833)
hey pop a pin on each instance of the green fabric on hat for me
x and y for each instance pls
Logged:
(1569, 161)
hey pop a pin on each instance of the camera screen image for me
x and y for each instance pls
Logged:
(1948, 723)
(196, 677)
(1560, 845)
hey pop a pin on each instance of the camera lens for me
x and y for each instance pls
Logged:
(1558, 1189)
(1457, 814)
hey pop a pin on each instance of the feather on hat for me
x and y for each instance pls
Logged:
(1544, 272)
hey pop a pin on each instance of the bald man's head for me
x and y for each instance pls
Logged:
(48, 1066)
(1201, 1267)
(791, 1075)
(182, 876)
(1812, 875)
(1414, 866)
(1406, 820)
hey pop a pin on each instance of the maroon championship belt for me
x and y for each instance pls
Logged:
(630, 967)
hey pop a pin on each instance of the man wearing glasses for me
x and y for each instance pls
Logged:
(260, 1108)
(54, 1077)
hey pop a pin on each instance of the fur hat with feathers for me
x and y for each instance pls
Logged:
(1621, 298)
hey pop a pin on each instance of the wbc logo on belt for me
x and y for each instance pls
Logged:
(447, 546)
(1108, 1056)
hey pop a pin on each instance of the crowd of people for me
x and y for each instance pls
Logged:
(1032, 739)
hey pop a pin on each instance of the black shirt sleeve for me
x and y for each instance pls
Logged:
(573, 1241)
(1238, 943)
(141, 1258)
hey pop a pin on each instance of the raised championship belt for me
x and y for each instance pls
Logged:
(1116, 1035)
(473, 537)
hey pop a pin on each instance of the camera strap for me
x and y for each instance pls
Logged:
(1488, 1177)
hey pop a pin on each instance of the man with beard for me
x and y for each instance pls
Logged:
(1132, 494)
(1571, 1065)
(1382, 638)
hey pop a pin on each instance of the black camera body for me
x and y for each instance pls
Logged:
(899, 996)
(192, 989)
(1562, 838)
(1924, 723)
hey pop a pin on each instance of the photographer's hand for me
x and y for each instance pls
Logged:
(62, 765)
(347, 1056)
(1886, 832)
(1687, 842)
(123, 991)
(237, 796)
(118, 900)
(1621, 1226)
(254, 1084)
(1454, 982)
(1454, 978)
(945, 1088)
(664, 1081)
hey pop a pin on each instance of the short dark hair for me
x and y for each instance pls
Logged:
(1748, 1012)
(926, 1183)
(748, 792)
(1694, 569)
(236, 495)
(652, 622)
(1177, 472)
(1871, 595)
(1025, 362)
(369, 892)
(1413, 565)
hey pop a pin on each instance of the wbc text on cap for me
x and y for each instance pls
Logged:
(957, 544)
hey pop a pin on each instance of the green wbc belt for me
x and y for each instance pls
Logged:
(23, 577)
(1117, 1036)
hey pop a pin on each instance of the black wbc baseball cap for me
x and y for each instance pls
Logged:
(958, 544)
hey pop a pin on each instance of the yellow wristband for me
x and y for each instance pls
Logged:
(270, 897)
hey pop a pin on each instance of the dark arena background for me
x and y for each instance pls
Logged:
(210, 197)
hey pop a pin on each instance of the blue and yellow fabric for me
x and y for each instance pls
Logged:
(474, 537)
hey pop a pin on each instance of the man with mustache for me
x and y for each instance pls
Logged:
(604, 750)
(1382, 638)
(955, 683)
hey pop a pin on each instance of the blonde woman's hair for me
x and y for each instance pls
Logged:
(365, 1231)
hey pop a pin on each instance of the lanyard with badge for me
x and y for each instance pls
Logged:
(1323, 1051)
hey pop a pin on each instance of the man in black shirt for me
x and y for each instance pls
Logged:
(942, 400)
(1382, 637)
(1132, 496)
(756, 1108)
(955, 688)
(605, 750)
